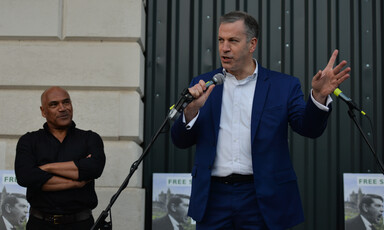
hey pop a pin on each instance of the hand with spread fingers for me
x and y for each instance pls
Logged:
(328, 79)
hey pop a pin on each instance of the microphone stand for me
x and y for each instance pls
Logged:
(353, 117)
(176, 109)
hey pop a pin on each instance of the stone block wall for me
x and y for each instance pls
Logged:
(94, 49)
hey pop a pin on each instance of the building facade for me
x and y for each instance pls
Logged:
(94, 49)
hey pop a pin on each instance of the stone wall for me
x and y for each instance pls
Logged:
(94, 49)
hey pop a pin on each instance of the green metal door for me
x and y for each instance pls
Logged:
(297, 38)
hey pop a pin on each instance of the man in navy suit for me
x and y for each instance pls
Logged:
(242, 176)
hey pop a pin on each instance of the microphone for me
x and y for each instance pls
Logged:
(187, 98)
(347, 100)
(218, 79)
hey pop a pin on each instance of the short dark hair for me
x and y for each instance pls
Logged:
(176, 200)
(11, 200)
(251, 25)
(368, 200)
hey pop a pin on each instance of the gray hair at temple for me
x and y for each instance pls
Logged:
(251, 25)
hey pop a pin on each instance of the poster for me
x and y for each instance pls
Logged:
(14, 206)
(170, 201)
(363, 201)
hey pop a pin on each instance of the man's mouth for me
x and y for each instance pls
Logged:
(64, 116)
(226, 58)
(22, 219)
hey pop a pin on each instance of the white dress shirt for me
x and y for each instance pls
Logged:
(8, 225)
(366, 223)
(174, 222)
(234, 142)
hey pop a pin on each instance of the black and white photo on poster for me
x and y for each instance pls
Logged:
(14, 206)
(170, 201)
(363, 201)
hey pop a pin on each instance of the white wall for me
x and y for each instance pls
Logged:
(94, 49)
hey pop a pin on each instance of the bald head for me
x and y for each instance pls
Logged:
(49, 90)
(56, 107)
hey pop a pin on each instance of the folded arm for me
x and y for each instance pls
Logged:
(64, 169)
(57, 183)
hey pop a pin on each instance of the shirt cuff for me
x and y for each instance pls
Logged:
(192, 122)
(321, 106)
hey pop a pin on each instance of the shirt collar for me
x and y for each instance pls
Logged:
(366, 222)
(8, 225)
(251, 77)
(174, 222)
(72, 126)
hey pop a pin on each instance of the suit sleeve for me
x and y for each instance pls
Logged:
(306, 118)
(181, 137)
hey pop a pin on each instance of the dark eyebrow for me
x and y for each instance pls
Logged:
(52, 102)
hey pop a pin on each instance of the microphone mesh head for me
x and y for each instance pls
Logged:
(218, 79)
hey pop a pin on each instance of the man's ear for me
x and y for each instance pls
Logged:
(173, 208)
(42, 111)
(364, 208)
(253, 44)
(8, 208)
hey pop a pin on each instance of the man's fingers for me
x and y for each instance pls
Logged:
(196, 90)
(202, 84)
(343, 75)
(209, 90)
(332, 59)
(318, 75)
(339, 67)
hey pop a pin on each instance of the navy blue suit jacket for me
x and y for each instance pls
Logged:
(278, 101)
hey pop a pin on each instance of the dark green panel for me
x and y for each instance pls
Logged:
(297, 38)
(275, 35)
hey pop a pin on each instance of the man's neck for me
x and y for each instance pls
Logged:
(60, 134)
(249, 70)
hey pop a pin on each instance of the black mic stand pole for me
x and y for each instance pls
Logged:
(101, 223)
(353, 117)
(183, 101)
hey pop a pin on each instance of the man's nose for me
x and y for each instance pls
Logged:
(226, 47)
(62, 106)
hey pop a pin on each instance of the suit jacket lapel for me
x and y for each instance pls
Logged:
(260, 96)
(217, 96)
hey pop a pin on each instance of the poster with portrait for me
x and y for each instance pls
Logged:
(14, 206)
(363, 201)
(170, 201)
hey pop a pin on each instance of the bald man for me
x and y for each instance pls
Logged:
(58, 165)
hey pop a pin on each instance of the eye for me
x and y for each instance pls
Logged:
(52, 104)
(67, 102)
